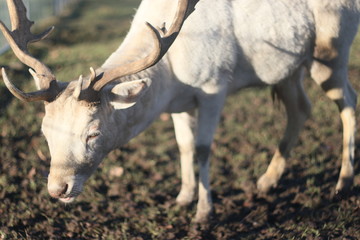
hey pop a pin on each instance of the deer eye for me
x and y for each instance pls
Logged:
(92, 136)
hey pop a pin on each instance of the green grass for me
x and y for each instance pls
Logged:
(141, 203)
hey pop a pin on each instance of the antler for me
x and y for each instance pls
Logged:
(163, 39)
(18, 39)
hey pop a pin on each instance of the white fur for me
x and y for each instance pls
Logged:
(224, 46)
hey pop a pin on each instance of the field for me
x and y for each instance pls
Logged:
(132, 194)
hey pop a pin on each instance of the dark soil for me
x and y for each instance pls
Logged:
(132, 195)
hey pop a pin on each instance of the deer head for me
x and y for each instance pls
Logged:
(78, 123)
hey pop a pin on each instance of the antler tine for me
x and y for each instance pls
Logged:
(21, 36)
(185, 8)
(18, 39)
(162, 39)
(26, 97)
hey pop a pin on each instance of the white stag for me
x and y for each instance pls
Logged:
(222, 47)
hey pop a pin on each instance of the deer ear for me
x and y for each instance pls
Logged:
(126, 94)
(36, 79)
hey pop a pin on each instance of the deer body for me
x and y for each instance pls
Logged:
(243, 44)
(220, 49)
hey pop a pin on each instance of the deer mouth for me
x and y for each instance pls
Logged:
(67, 199)
(70, 197)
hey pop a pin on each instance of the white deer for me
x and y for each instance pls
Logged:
(223, 46)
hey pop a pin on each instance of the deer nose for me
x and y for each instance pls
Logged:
(59, 191)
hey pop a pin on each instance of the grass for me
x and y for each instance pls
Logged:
(140, 203)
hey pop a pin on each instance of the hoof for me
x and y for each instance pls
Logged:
(265, 184)
(202, 217)
(344, 185)
(184, 199)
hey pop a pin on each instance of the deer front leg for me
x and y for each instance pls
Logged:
(210, 107)
(185, 125)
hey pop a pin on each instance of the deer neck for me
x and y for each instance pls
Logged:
(148, 108)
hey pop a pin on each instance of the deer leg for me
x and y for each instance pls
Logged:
(298, 109)
(185, 124)
(210, 107)
(334, 37)
(334, 81)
